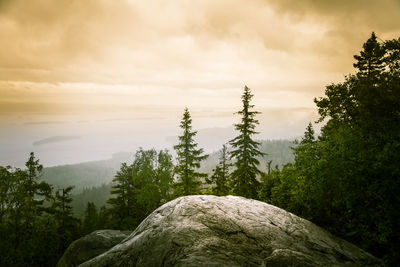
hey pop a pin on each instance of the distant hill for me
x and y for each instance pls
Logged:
(97, 195)
(87, 174)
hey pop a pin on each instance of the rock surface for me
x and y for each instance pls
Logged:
(90, 246)
(229, 231)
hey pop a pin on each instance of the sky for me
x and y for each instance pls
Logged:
(118, 73)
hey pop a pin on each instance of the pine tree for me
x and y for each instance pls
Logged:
(103, 218)
(90, 221)
(245, 151)
(37, 191)
(308, 134)
(25, 217)
(220, 174)
(189, 158)
(62, 207)
(67, 223)
(122, 205)
(370, 62)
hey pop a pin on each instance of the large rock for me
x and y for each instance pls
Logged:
(90, 246)
(229, 231)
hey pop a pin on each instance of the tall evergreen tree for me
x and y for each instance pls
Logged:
(122, 204)
(370, 62)
(90, 220)
(220, 176)
(245, 151)
(189, 158)
(67, 224)
(37, 191)
(26, 227)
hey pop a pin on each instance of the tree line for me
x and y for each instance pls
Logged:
(346, 179)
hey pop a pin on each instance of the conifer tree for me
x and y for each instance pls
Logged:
(67, 224)
(62, 207)
(122, 205)
(37, 191)
(90, 221)
(370, 62)
(189, 158)
(220, 174)
(245, 151)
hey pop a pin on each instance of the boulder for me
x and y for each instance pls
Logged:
(90, 246)
(229, 231)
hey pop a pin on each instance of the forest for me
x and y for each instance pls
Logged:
(346, 179)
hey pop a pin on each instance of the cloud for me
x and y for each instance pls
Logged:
(348, 23)
(102, 41)
(378, 15)
(43, 34)
(71, 56)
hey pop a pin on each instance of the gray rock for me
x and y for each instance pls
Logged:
(90, 246)
(229, 231)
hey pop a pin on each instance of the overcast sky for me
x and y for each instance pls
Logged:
(79, 62)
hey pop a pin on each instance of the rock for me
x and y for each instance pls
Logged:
(229, 231)
(90, 246)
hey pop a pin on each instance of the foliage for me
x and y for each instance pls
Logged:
(122, 205)
(245, 151)
(90, 220)
(141, 187)
(68, 225)
(348, 180)
(35, 226)
(188, 160)
(220, 175)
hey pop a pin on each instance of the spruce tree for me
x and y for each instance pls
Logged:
(67, 224)
(220, 174)
(122, 204)
(189, 158)
(370, 62)
(245, 151)
(90, 221)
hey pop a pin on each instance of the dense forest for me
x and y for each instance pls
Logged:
(92, 180)
(346, 179)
